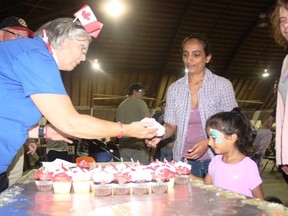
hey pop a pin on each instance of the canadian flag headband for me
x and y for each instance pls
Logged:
(89, 21)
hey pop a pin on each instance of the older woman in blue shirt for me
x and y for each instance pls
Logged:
(31, 86)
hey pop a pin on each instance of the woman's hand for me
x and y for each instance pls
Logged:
(169, 131)
(152, 143)
(197, 150)
(31, 146)
(141, 130)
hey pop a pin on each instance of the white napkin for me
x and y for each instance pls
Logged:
(57, 164)
(161, 129)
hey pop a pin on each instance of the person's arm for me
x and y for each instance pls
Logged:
(60, 112)
(258, 192)
(169, 130)
(196, 178)
(206, 180)
(50, 133)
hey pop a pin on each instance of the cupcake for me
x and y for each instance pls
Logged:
(141, 179)
(182, 172)
(141, 188)
(62, 183)
(123, 185)
(102, 177)
(81, 180)
(103, 189)
(122, 189)
(102, 182)
(43, 180)
(164, 173)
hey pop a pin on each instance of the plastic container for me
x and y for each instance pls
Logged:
(140, 188)
(122, 189)
(159, 187)
(62, 187)
(103, 189)
(181, 179)
(82, 186)
(44, 185)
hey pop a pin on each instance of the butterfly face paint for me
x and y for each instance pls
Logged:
(215, 134)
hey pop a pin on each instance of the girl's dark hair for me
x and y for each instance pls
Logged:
(202, 38)
(274, 18)
(235, 122)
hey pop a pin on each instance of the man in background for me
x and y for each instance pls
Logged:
(13, 28)
(134, 108)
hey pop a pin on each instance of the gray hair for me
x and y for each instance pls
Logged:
(59, 29)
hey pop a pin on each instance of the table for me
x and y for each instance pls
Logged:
(195, 198)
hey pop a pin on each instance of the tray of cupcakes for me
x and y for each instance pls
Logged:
(109, 179)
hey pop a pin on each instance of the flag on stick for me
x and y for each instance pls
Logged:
(89, 20)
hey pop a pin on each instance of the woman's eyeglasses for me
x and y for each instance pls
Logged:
(83, 48)
(14, 33)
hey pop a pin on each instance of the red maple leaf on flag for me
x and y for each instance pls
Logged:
(86, 15)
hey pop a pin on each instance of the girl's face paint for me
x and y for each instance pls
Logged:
(215, 134)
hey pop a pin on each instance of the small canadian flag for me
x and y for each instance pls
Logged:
(89, 20)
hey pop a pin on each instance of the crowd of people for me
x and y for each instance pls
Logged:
(199, 105)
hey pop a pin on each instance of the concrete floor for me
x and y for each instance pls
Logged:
(273, 182)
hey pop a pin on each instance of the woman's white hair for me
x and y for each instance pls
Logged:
(61, 28)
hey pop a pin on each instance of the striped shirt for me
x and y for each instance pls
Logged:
(215, 95)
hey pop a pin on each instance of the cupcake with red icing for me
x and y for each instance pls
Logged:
(182, 172)
(62, 183)
(163, 172)
(43, 180)
(123, 185)
(102, 182)
(81, 180)
(141, 179)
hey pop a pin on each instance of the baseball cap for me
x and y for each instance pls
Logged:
(136, 87)
(16, 23)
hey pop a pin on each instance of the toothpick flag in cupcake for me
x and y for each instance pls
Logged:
(89, 20)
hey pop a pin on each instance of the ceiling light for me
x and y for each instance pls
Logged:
(262, 20)
(265, 74)
(114, 8)
(96, 64)
(262, 24)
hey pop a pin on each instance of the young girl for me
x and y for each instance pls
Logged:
(230, 135)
